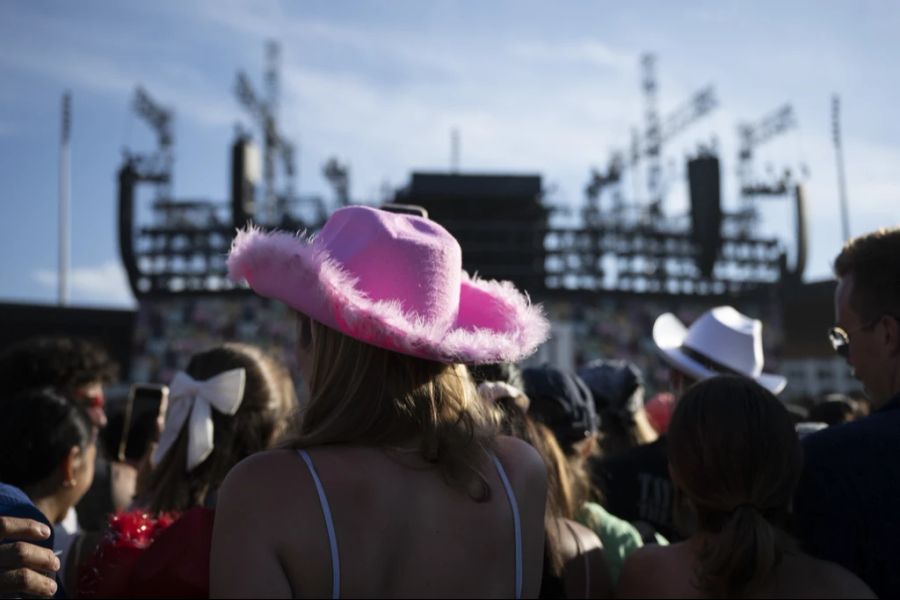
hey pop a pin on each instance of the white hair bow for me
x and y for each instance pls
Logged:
(189, 398)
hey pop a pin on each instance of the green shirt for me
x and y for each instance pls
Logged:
(619, 537)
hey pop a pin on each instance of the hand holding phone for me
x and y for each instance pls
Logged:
(144, 414)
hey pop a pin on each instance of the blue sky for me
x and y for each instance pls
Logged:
(532, 86)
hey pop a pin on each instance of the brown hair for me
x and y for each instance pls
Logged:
(874, 261)
(264, 413)
(362, 394)
(735, 456)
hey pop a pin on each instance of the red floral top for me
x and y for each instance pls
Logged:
(151, 556)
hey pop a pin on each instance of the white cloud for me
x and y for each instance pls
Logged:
(254, 22)
(187, 91)
(50, 48)
(591, 52)
(103, 284)
(519, 116)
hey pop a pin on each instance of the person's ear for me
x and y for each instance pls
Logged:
(71, 465)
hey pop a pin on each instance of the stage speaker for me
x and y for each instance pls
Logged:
(244, 177)
(706, 211)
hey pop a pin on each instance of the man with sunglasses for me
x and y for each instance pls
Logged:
(847, 508)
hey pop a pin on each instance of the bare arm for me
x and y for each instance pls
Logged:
(243, 560)
(838, 582)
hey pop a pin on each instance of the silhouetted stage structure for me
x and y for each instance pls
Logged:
(504, 228)
(507, 224)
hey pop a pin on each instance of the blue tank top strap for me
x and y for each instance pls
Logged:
(517, 525)
(329, 526)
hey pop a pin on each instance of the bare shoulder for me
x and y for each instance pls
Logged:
(262, 482)
(646, 556)
(633, 579)
(249, 528)
(524, 466)
(832, 580)
(588, 540)
(585, 571)
(258, 473)
(520, 457)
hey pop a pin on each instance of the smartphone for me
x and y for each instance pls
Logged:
(140, 428)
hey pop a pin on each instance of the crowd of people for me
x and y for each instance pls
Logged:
(425, 459)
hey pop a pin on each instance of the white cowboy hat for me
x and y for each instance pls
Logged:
(721, 342)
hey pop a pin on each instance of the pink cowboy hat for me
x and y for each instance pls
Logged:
(394, 281)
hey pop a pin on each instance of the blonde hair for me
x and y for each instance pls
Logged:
(361, 394)
(265, 411)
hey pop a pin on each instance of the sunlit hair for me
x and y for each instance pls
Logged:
(361, 394)
(874, 261)
(575, 488)
(736, 458)
(266, 412)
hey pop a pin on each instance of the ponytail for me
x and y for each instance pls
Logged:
(741, 555)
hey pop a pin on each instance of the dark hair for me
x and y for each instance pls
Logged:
(37, 431)
(834, 410)
(874, 261)
(735, 455)
(62, 363)
(267, 406)
(617, 387)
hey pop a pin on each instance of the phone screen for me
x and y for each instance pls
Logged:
(142, 414)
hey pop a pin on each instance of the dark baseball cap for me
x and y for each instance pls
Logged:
(614, 385)
(561, 401)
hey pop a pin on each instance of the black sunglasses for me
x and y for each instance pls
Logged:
(840, 337)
